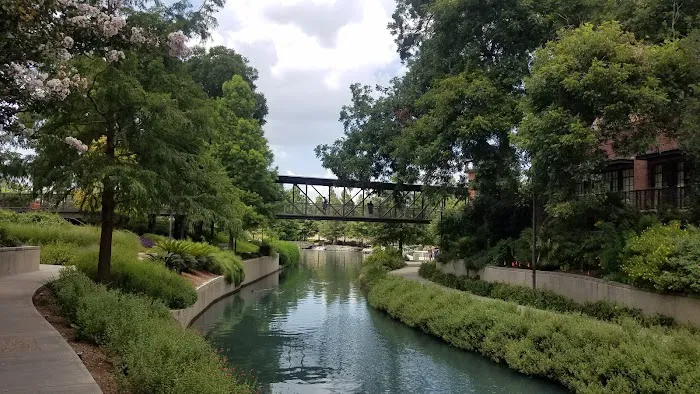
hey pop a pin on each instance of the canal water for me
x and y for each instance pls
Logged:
(310, 330)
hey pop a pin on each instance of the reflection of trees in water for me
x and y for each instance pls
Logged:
(334, 273)
(285, 355)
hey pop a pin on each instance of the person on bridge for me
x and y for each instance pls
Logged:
(324, 205)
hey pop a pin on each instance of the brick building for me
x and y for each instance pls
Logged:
(656, 179)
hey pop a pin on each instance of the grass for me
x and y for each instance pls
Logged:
(152, 353)
(42, 234)
(66, 244)
(582, 353)
(288, 251)
(243, 246)
(540, 299)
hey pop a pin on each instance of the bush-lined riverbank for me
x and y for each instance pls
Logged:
(582, 353)
(151, 352)
(540, 299)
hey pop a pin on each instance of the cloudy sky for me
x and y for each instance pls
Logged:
(308, 52)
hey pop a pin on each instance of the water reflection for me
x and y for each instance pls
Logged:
(313, 332)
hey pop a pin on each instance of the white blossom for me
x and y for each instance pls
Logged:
(137, 36)
(114, 56)
(30, 79)
(68, 42)
(76, 144)
(177, 44)
(59, 88)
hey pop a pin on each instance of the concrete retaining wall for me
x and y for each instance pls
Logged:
(19, 260)
(217, 288)
(582, 289)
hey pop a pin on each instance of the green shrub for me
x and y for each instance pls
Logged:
(42, 234)
(132, 275)
(265, 249)
(540, 299)
(230, 266)
(31, 217)
(8, 240)
(288, 251)
(389, 258)
(59, 253)
(664, 258)
(153, 353)
(584, 354)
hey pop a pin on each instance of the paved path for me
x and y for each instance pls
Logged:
(34, 357)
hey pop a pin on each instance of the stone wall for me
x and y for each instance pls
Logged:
(582, 289)
(19, 260)
(217, 288)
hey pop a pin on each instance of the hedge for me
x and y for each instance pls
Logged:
(540, 299)
(288, 251)
(390, 258)
(584, 354)
(152, 353)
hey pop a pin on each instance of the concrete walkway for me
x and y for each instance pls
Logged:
(34, 357)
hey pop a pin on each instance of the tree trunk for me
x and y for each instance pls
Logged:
(183, 227)
(212, 232)
(151, 223)
(104, 260)
(105, 255)
(401, 243)
(231, 242)
(198, 231)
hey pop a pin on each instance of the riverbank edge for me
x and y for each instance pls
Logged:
(578, 352)
(582, 289)
(217, 288)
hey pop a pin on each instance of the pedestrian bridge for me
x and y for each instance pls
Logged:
(310, 199)
(315, 199)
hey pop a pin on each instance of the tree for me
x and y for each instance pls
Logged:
(137, 135)
(213, 67)
(240, 145)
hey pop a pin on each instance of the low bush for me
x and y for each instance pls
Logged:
(8, 240)
(664, 258)
(183, 255)
(389, 258)
(132, 275)
(35, 234)
(59, 253)
(584, 354)
(265, 249)
(31, 217)
(540, 299)
(288, 251)
(152, 353)
(230, 266)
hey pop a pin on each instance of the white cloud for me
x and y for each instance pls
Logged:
(307, 53)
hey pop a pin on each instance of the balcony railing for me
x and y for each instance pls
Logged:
(658, 199)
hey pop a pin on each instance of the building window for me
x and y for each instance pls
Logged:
(628, 180)
(680, 175)
(657, 176)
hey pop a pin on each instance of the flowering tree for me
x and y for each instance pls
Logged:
(97, 89)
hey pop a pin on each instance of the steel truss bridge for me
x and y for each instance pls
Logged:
(360, 201)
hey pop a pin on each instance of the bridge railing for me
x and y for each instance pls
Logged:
(350, 211)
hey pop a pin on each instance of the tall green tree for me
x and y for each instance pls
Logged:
(217, 65)
(240, 144)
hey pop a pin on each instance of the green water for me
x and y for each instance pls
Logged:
(310, 330)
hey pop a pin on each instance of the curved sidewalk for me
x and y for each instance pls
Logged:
(34, 357)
